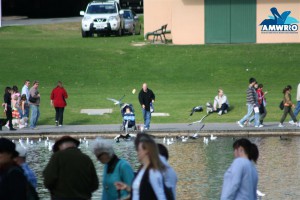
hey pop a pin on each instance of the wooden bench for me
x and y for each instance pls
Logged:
(159, 33)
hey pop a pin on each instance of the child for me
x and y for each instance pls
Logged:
(23, 109)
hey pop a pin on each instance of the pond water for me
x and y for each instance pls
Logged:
(200, 167)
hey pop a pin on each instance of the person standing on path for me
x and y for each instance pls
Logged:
(34, 102)
(8, 107)
(25, 90)
(58, 101)
(251, 105)
(146, 98)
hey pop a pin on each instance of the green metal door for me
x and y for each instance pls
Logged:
(217, 21)
(243, 21)
(230, 21)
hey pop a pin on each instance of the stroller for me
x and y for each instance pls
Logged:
(128, 116)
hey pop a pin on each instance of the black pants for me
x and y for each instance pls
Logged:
(59, 115)
(224, 107)
(288, 110)
(9, 117)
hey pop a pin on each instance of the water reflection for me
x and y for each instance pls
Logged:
(200, 168)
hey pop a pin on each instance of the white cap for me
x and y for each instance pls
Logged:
(21, 150)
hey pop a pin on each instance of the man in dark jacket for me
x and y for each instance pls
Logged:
(70, 174)
(146, 98)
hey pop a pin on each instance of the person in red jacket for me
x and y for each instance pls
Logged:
(58, 101)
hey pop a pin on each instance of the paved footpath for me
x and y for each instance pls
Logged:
(159, 130)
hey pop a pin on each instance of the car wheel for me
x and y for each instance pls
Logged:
(85, 33)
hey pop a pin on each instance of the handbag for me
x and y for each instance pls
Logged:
(32, 99)
(281, 105)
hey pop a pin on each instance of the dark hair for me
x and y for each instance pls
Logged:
(288, 87)
(7, 89)
(250, 148)
(141, 136)
(251, 80)
(15, 89)
(163, 150)
(260, 85)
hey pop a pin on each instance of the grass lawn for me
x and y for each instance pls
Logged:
(181, 77)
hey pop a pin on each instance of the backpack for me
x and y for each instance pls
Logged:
(31, 193)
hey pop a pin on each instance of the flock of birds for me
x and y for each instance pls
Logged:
(169, 141)
(48, 144)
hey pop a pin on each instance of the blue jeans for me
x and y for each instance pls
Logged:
(297, 109)
(147, 118)
(35, 113)
(248, 115)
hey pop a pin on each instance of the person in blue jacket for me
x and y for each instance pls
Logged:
(241, 178)
(115, 170)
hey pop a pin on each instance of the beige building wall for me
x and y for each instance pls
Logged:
(263, 12)
(156, 14)
(185, 19)
(188, 21)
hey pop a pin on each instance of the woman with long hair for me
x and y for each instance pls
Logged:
(241, 178)
(148, 183)
(288, 106)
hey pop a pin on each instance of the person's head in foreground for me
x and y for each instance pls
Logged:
(65, 142)
(246, 149)
(103, 150)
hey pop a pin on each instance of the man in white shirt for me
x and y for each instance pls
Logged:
(25, 89)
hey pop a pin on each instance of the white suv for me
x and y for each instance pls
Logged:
(102, 18)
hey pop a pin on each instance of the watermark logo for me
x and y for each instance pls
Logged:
(279, 23)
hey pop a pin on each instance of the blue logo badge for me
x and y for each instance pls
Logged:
(279, 23)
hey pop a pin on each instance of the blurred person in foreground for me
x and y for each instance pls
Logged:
(115, 170)
(21, 161)
(241, 178)
(70, 174)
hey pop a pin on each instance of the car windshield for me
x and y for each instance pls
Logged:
(127, 15)
(101, 9)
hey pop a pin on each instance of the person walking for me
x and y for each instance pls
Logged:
(115, 170)
(262, 102)
(34, 103)
(288, 106)
(70, 174)
(25, 90)
(251, 105)
(148, 183)
(58, 101)
(297, 108)
(8, 107)
(21, 161)
(146, 99)
(241, 178)
(13, 183)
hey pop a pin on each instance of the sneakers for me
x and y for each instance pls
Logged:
(56, 123)
(239, 123)
(291, 122)
(260, 126)
(225, 111)
(280, 125)
(60, 125)
(220, 112)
